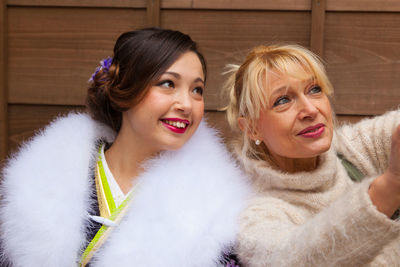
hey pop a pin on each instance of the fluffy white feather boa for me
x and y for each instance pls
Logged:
(184, 214)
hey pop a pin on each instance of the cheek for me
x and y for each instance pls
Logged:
(197, 109)
(200, 109)
(155, 99)
(327, 113)
(197, 114)
(270, 131)
(276, 133)
(326, 109)
(274, 127)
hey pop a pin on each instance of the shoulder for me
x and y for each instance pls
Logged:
(74, 126)
(65, 140)
(65, 130)
(49, 176)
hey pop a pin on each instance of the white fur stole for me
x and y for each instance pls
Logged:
(183, 214)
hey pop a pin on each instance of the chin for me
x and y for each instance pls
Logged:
(321, 151)
(314, 151)
(323, 146)
(174, 147)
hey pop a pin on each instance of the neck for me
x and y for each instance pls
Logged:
(292, 165)
(124, 159)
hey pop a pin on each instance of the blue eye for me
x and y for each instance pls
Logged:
(198, 90)
(281, 100)
(315, 89)
(166, 83)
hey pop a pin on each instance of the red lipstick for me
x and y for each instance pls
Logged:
(313, 131)
(175, 124)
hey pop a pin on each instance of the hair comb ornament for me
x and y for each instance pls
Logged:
(104, 64)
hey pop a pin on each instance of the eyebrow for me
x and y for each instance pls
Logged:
(178, 76)
(279, 90)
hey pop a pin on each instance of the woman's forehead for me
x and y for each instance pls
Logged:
(291, 68)
(295, 72)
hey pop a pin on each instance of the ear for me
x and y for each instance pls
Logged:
(248, 128)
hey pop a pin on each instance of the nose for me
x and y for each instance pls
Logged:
(184, 101)
(306, 108)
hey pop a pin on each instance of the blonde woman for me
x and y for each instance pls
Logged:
(326, 195)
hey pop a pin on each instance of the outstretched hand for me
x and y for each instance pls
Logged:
(385, 189)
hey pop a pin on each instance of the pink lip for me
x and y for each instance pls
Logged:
(173, 128)
(313, 131)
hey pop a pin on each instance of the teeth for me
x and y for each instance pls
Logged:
(176, 124)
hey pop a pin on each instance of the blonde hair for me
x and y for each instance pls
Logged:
(245, 85)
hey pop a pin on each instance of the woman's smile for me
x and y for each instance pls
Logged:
(313, 131)
(176, 125)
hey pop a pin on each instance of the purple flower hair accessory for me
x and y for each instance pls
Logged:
(104, 64)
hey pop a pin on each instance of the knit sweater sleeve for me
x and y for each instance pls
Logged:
(367, 143)
(349, 232)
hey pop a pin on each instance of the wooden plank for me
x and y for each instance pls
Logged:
(226, 37)
(153, 13)
(26, 120)
(54, 51)
(363, 5)
(317, 26)
(3, 81)
(299, 5)
(79, 3)
(363, 61)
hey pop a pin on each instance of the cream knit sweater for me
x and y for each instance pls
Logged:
(322, 218)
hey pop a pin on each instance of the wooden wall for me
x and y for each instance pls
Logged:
(49, 48)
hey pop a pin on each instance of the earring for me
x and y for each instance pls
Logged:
(258, 142)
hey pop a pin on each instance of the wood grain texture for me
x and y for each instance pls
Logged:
(332, 5)
(153, 13)
(299, 5)
(318, 26)
(225, 37)
(363, 59)
(54, 51)
(3, 82)
(80, 3)
(363, 5)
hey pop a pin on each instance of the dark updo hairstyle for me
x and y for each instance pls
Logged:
(140, 57)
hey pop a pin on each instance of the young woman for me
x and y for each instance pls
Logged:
(141, 181)
(308, 211)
